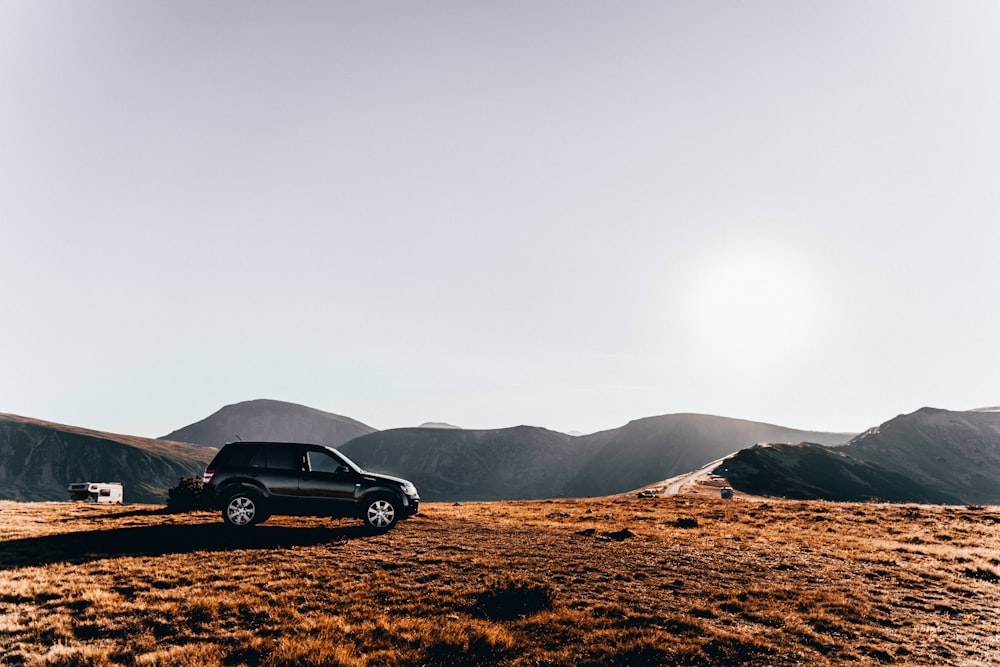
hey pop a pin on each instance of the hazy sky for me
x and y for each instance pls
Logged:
(568, 214)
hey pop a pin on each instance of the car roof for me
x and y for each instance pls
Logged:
(245, 443)
(275, 442)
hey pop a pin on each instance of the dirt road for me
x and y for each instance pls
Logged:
(674, 484)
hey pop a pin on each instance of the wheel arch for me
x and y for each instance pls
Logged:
(235, 486)
(377, 492)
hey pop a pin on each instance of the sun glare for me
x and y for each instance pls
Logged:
(753, 311)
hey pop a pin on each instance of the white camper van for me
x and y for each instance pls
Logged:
(97, 492)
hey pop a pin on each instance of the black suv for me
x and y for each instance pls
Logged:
(250, 481)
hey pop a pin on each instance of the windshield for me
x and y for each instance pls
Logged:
(350, 464)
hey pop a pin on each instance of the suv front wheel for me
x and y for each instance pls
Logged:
(380, 513)
(242, 510)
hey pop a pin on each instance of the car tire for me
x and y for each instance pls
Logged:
(380, 513)
(243, 510)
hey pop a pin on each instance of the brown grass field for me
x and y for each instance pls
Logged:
(613, 581)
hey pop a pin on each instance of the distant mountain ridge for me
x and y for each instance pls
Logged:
(437, 425)
(527, 462)
(957, 453)
(39, 459)
(267, 419)
(450, 463)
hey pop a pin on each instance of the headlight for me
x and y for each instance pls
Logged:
(409, 489)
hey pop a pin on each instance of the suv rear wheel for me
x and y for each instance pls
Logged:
(381, 513)
(242, 510)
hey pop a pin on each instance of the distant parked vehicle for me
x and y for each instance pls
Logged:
(97, 492)
(250, 481)
(646, 493)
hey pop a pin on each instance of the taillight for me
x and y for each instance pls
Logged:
(207, 477)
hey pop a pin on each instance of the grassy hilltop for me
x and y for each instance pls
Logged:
(613, 581)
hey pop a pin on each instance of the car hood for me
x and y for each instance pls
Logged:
(386, 478)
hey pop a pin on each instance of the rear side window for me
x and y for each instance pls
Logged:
(236, 454)
(283, 458)
(277, 457)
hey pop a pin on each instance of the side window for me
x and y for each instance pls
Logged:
(322, 462)
(238, 455)
(283, 458)
(259, 458)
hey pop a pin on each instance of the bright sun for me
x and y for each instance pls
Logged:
(754, 311)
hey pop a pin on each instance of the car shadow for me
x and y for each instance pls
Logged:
(87, 546)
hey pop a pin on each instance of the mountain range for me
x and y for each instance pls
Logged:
(531, 462)
(931, 455)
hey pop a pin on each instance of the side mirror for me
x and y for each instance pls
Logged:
(342, 470)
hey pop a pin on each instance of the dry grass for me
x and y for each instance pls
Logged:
(675, 581)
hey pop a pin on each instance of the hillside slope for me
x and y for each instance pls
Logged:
(807, 471)
(266, 419)
(38, 460)
(956, 453)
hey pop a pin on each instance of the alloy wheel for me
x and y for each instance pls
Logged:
(241, 511)
(381, 514)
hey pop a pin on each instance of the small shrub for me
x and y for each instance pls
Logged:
(507, 599)
(686, 522)
(186, 496)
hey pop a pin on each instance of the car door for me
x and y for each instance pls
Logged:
(327, 483)
(278, 468)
